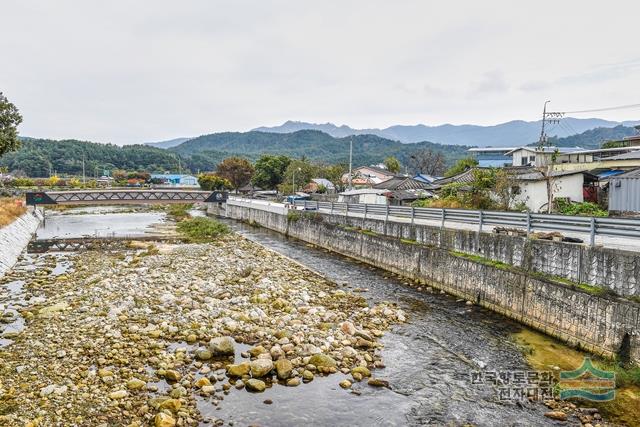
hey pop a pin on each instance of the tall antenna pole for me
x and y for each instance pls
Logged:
(350, 161)
(544, 120)
(84, 177)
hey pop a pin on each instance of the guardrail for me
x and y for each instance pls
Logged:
(593, 226)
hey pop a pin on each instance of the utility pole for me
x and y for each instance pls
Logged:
(547, 170)
(84, 177)
(350, 161)
(548, 117)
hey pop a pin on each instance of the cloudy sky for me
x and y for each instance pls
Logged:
(134, 71)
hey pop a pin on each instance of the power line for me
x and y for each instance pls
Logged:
(595, 110)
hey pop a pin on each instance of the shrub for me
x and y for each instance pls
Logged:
(179, 211)
(565, 207)
(21, 182)
(202, 229)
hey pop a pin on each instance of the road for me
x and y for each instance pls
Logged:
(623, 243)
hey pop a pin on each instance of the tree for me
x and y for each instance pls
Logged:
(270, 171)
(427, 161)
(505, 188)
(392, 164)
(236, 170)
(10, 118)
(303, 170)
(461, 166)
(212, 182)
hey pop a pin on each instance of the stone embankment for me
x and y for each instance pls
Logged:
(14, 238)
(583, 316)
(149, 335)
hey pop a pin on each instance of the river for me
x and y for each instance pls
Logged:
(429, 359)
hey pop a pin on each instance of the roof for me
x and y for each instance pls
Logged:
(403, 183)
(466, 176)
(634, 174)
(491, 149)
(324, 181)
(606, 173)
(633, 155)
(376, 169)
(410, 194)
(561, 150)
(425, 178)
(171, 175)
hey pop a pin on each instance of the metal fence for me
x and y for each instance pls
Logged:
(593, 226)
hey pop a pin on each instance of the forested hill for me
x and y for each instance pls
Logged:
(315, 145)
(593, 138)
(39, 157)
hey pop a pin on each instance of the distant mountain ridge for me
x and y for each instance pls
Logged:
(312, 144)
(166, 144)
(513, 133)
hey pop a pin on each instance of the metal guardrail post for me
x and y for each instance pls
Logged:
(528, 223)
(413, 215)
(480, 222)
(386, 215)
(305, 205)
(592, 232)
(365, 210)
(444, 215)
(331, 208)
(346, 210)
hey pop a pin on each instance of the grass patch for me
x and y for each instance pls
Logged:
(10, 210)
(179, 212)
(546, 353)
(202, 229)
(293, 216)
(409, 241)
(482, 260)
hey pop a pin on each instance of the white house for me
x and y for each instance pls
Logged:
(536, 156)
(533, 188)
(364, 195)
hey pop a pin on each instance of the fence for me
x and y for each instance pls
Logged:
(593, 226)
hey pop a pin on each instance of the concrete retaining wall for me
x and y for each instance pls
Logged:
(598, 324)
(15, 237)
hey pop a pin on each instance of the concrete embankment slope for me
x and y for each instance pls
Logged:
(14, 238)
(602, 324)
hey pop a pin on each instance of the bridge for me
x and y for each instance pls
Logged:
(123, 196)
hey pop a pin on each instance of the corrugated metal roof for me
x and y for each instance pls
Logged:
(633, 155)
(631, 174)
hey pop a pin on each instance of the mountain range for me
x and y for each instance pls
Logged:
(513, 133)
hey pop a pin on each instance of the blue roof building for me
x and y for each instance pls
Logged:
(177, 180)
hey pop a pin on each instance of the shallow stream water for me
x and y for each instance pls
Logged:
(429, 359)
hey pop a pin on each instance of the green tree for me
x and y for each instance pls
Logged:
(270, 171)
(10, 118)
(236, 170)
(303, 170)
(392, 164)
(212, 182)
(461, 166)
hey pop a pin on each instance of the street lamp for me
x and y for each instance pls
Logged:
(294, 179)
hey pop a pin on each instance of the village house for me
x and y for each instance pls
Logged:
(367, 176)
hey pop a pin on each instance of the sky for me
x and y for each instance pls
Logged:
(148, 70)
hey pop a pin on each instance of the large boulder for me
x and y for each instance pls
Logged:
(283, 368)
(222, 346)
(255, 385)
(322, 361)
(238, 370)
(261, 367)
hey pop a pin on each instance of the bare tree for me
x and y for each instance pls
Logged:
(428, 162)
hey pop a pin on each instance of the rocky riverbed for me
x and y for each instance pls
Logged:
(151, 335)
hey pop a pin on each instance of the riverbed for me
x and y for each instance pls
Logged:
(428, 361)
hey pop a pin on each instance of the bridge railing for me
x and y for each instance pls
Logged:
(591, 226)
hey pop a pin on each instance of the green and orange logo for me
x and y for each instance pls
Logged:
(588, 382)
